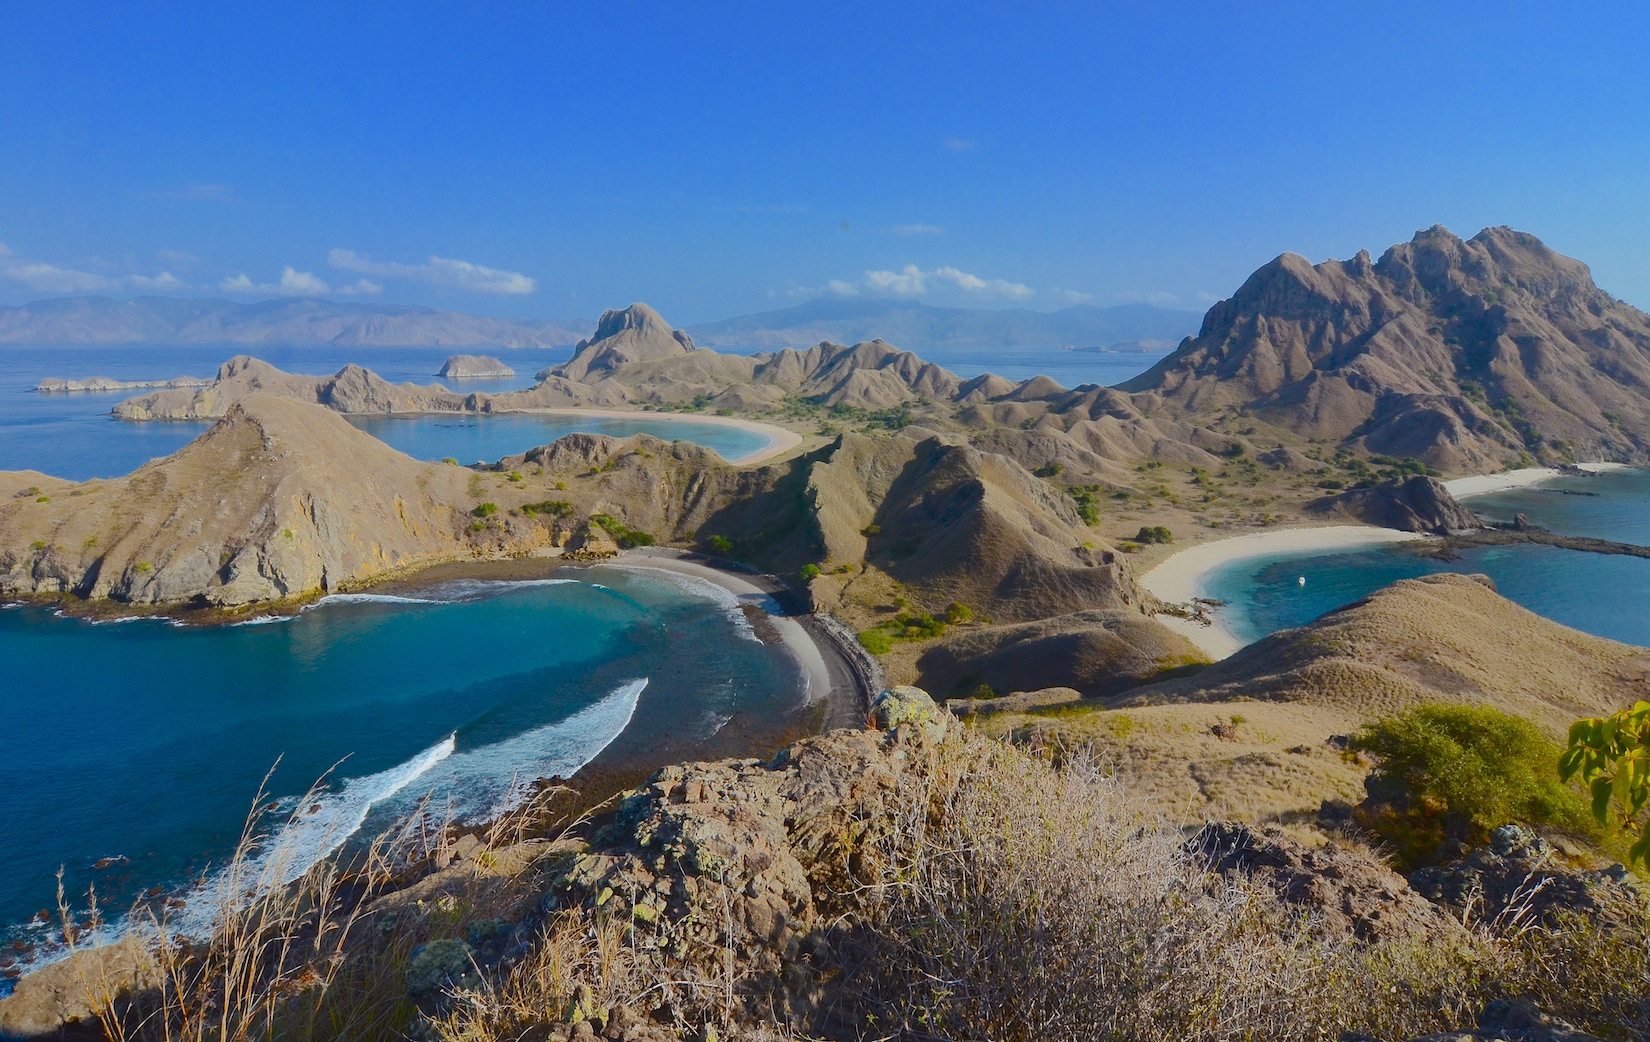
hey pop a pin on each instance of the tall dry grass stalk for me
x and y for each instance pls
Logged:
(272, 944)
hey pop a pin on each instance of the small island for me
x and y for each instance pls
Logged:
(475, 367)
(104, 383)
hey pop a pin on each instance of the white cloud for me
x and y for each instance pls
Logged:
(918, 229)
(44, 277)
(912, 281)
(1072, 296)
(909, 281)
(438, 271)
(293, 283)
(361, 288)
(49, 278)
(164, 281)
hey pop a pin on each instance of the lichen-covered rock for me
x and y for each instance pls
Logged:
(440, 965)
(757, 857)
(903, 705)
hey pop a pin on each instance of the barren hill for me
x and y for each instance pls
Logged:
(1465, 354)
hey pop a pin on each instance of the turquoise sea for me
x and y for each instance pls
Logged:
(142, 745)
(146, 741)
(1604, 595)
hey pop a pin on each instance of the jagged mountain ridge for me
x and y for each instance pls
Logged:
(1464, 353)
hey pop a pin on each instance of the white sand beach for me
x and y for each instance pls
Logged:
(1182, 577)
(1480, 484)
(780, 440)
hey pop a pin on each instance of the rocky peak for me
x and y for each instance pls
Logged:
(635, 334)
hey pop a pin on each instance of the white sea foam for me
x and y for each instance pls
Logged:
(369, 598)
(486, 782)
(312, 833)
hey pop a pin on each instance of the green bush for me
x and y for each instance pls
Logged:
(958, 612)
(721, 544)
(485, 509)
(550, 507)
(1154, 534)
(622, 533)
(877, 641)
(1049, 470)
(810, 572)
(1452, 773)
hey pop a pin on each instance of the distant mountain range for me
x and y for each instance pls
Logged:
(306, 320)
(309, 320)
(913, 325)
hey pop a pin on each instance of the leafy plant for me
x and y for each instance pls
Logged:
(485, 509)
(1049, 470)
(1611, 756)
(811, 572)
(1454, 772)
(721, 544)
(1154, 534)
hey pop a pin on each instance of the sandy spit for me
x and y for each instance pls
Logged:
(780, 440)
(1183, 576)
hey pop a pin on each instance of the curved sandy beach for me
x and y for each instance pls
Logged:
(780, 440)
(1183, 576)
(1482, 484)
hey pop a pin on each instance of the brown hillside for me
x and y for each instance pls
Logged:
(1462, 353)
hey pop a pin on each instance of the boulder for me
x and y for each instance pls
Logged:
(903, 705)
(1415, 504)
(1521, 875)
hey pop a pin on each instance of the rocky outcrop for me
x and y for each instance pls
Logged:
(1095, 653)
(635, 334)
(1414, 504)
(1521, 879)
(1347, 889)
(1461, 353)
(103, 384)
(475, 367)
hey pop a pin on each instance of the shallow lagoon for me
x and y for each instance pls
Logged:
(1605, 595)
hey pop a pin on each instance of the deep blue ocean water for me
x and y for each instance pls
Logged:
(1605, 595)
(148, 741)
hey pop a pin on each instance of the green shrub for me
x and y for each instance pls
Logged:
(1154, 534)
(1611, 755)
(485, 509)
(876, 641)
(810, 572)
(622, 533)
(1452, 773)
(143, 568)
(721, 544)
(958, 612)
(450, 459)
(1049, 470)
(550, 507)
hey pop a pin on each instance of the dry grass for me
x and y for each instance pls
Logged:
(1021, 901)
(1004, 897)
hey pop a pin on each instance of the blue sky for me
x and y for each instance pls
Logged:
(547, 159)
